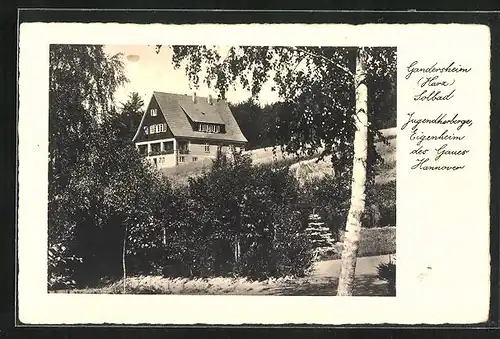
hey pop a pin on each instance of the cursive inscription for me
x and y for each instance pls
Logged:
(438, 139)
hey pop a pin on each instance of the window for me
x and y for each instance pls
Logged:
(155, 148)
(207, 148)
(154, 112)
(195, 158)
(143, 149)
(182, 158)
(209, 128)
(168, 146)
(158, 128)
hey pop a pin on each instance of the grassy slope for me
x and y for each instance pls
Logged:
(301, 168)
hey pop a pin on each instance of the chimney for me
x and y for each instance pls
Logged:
(210, 100)
(194, 97)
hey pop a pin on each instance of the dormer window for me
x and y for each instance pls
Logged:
(209, 128)
(154, 112)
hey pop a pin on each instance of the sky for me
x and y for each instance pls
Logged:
(148, 71)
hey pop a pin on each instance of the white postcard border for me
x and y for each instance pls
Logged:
(453, 239)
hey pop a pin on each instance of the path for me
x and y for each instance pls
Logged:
(324, 279)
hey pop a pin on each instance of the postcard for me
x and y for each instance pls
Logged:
(253, 174)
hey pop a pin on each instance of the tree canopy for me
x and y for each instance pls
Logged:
(131, 114)
(316, 85)
(98, 183)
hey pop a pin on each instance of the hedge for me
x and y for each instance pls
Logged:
(374, 241)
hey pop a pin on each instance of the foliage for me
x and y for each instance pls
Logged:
(319, 89)
(237, 205)
(258, 124)
(60, 267)
(99, 187)
(329, 198)
(381, 205)
(374, 242)
(377, 241)
(316, 85)
(387, 272)
(131, 114)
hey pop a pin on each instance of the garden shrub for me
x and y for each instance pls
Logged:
(237, 219)
(329, 197)
(288, 252)
(61, 266)
(387, 272)
(376, 241)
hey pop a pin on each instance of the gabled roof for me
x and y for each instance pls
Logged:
(176, 109)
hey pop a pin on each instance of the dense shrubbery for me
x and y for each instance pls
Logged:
(110, 197)
(330, 197)
(234, 219)
(387, 272)
(377, 241)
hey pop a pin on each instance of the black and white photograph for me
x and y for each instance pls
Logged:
(222, 170)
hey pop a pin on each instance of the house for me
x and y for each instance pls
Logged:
(178, 128)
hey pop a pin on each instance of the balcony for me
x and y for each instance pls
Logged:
(167, 151)
(183, 151)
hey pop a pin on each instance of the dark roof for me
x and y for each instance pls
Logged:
(200, 111)
(177, 107)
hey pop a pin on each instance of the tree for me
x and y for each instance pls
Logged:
(358, 188)
(82, 80)
(238, 219)
(99, 187)
(258, 124)
(131, 114)
(326, 107)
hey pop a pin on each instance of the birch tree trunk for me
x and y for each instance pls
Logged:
(124, 267)
(237, 249)
(357, 207)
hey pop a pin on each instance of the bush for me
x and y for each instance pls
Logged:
(387, 272)
(374, 241)
(330, 198)
(287, 253)
(237, 219)
(381, 205)
(61, 265)
(377, 241)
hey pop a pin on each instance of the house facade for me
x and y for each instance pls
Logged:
(178, 129)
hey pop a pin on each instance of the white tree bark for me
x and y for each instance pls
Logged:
(357, 207)
(124, 267)
(237, 249)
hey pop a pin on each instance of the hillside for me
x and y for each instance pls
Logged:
(302, 168)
